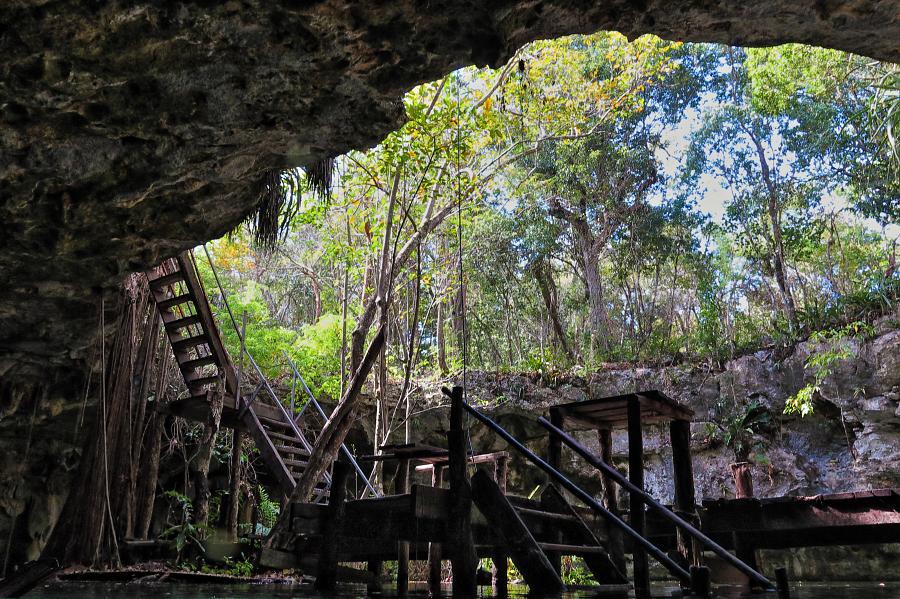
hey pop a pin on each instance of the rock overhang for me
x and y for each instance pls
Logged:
(132, 130)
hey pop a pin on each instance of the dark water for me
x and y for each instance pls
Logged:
(93, 590)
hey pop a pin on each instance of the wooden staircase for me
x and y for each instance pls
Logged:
(538, 534)
(206, 368)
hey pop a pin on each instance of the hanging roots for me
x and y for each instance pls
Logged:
(280, 200)
(318, 177)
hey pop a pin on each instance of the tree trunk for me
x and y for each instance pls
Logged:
(543, 275)
(441, 338)
(596, 307)
(773, 208)
(200, 464)
(329, 442)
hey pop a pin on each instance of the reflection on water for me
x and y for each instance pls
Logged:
(92, 590)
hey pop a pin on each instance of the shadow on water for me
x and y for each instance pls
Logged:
(94, 590)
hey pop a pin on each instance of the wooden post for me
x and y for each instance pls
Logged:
(500, 569)
(781, 582)
(234, 489)
(554, 446)
(554, 458)
(636, 504)
(462, 547)
(700, 581)
(745, 550)
(434, 549)
(326, 577)
(506, 523)
(683, 477)
(401, 487)
(373, 587)
(616, 542)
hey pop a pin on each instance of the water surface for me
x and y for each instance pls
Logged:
(137, 590)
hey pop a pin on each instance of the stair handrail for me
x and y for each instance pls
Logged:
(649, 500)
(252, 361)
(660, 556)
(318, 406)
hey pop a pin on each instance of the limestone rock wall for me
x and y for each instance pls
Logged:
(130, 131)
(851, 441)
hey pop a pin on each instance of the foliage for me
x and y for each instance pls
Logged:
(835, 345)
(268, 509)
(183, 531)
(739, 426)
(570, 184)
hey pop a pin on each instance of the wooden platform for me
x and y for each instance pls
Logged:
(859, 518)
(612, 412)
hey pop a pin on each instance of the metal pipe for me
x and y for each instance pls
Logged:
(315, 403)
(584, 496)
(617, 476)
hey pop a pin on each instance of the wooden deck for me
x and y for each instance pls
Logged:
(859, 518)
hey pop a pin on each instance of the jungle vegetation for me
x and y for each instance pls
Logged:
(553, 214)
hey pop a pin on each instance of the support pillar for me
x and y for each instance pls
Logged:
(636, 503)
(326, 576)
(554, 458)
(683, 477)
(401, 487)
(500, 569)
(616, 542)
(434, 549)
(463, 557)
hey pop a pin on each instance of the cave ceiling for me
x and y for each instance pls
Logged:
(132, 130)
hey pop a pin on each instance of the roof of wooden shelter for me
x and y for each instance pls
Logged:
(612, 412)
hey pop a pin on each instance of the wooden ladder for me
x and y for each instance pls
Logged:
(205, 365)
(537, 535)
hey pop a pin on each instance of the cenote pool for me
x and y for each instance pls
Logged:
(78, 590)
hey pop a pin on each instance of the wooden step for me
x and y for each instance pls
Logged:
(296, 463)
(197, 362)
(180, 323)
(166, 280)
(275, 423)
(187, 342)
(528, 512)
(291, 438)
(570, 549)
(204, 380)
(174, 301)
(291, 450)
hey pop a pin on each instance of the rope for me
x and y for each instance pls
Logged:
(459, 241)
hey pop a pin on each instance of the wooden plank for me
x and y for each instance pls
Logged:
(165, 280)
(180, 323)
(179, 344)
(197, 362)
(526, 554)
(167, 304)
(401, 486)
(563, 549)
(526, 512)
